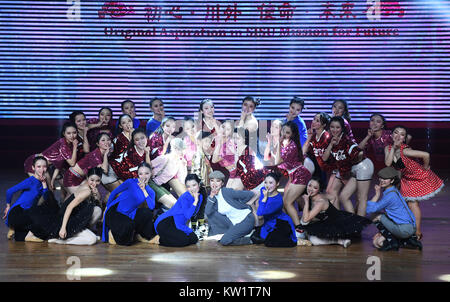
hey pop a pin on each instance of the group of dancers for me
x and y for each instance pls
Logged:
(174, 183)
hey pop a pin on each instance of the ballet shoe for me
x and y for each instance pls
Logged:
(31, 238)
(154, 240)
(10, 234)
(111, 238)
(141, 239)
(346, 243)
(304, 242)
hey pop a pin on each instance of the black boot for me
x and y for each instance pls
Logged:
(411, 243)
(255, 237)
(391, 243)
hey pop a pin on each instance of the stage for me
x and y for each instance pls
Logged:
(207, 261)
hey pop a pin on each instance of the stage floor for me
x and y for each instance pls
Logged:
(209, 262)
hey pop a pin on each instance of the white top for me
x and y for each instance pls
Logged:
(235, 215)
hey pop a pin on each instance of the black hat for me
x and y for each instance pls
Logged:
(388, 173)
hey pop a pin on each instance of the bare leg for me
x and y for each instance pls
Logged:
(235, 184)
(414, 206)
(362, 196)
(168, 200)
(254, 203)
(289, 197)
(177, 186)
(346, 193)
(110, 187)
(333, 188)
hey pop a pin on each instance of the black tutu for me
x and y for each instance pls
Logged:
(336, 224)
(47, 222)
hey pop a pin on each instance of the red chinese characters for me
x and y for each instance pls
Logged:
(115, 9)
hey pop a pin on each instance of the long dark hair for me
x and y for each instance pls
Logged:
(346, 114)
(133, 134)
(67, 125)
(295, 137)
(202, 191)
(340, 120)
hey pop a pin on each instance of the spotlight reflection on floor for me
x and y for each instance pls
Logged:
(89, 272)
(445, 277)
(179, 258)
(272, 275)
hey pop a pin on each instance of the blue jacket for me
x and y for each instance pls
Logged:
(152, 125)
(272, 210)
(129, 201)
(32, 190)
(182, 211)
(395, 206)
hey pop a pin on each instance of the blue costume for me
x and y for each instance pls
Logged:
(272, 210)
(32, 190)
(127, 202)
(182, 212)
(152, 125)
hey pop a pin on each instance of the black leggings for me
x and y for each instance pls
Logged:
(124, 229)
(169, 235)
(280, 236)
(20, 221)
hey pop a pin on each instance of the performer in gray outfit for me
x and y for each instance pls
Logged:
(228, 212)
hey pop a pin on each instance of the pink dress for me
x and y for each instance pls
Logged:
(190, 150)
(228, 158)
(165, 169)
(56, 154)
(298, 174)
(417, 184)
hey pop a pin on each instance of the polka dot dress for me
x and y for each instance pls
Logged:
(417, 184)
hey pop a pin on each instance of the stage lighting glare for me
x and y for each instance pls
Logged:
(91, 272)
(272, 275)
(445, 277)
(179, 258)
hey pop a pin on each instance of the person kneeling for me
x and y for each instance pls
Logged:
(123, 217)
(172, 225)
(397, 227)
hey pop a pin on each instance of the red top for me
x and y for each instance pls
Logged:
(318, 148)
(121, 143)
(126, 165)
(375, 149)
(245, 168)
(58, 153)
(91, 160)
(344, 153)
(156, 144)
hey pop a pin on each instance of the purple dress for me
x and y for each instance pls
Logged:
(298, 174)
(56, 154)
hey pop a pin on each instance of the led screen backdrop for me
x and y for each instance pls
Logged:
(389, 57)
